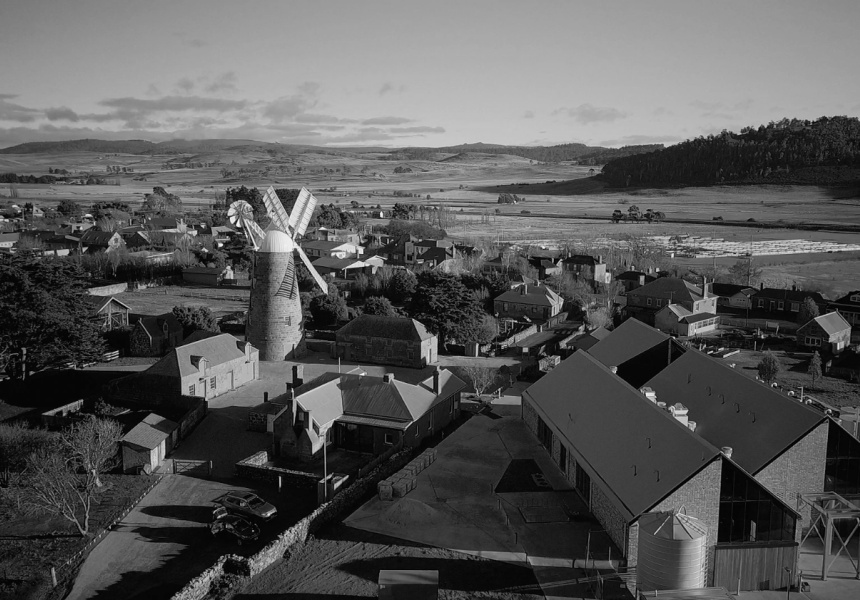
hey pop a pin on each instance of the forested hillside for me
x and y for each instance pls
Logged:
(825, 151)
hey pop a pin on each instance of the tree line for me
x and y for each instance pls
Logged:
(774, 151)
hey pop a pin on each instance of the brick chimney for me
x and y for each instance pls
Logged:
(298, 375)
(388, 378)
(436, 380)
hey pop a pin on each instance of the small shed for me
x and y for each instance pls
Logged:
(148, 443)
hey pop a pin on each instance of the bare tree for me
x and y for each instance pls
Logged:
(92, 445)
(482, 378)
(65, 481)
(599, 317)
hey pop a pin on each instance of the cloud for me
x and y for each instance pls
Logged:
(62, 113)
(661, 111)
(529, 114)
(174, 103)
(290, 107)
(185, 85)
(195, 43)
(402, 130)
(587, 113)
(226, 82)
(316, 118)
(386, 121)
(389, 87)
(152, 90)
(10, 111)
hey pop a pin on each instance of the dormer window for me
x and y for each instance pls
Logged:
(855, 298)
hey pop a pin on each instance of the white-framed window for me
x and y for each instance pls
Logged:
(761, 303)
(795, 307)
(781, 305)
(659, 302)
(388, 439)
(191, 390)
(212, 383)
(855, 298)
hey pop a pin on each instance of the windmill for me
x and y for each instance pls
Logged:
(274, 324)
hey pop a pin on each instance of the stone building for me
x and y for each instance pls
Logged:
(386, 341)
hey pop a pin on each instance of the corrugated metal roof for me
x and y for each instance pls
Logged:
(150, 432)
(731, 409)
(373, 397)
(217, 350)
(671, 288)
(534, 294)
(635, 451)
(832, 323)
(396, 328)
(626, 341)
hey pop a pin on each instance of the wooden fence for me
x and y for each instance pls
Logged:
(755, 566)
(193, 468)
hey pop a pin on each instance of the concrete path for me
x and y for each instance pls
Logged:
(137, 558)
(454, 505)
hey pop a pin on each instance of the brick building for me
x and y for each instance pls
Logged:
(386, 341)
(645, 302)
(537, 302)
(641, 424)
(154, 336)
(783, 304)
(848, 306)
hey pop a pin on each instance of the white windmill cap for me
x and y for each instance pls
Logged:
(276, 241)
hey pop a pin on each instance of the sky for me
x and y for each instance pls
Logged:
(434, 73)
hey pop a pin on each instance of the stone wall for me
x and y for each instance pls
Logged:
(256, 467)
(199, 587)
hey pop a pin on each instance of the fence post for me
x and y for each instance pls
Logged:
(54, 576)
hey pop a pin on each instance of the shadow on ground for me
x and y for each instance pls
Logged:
(196, 514)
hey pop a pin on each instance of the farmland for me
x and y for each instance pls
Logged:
(561, 206)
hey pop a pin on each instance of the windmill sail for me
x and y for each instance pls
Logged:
(303, 210)
(276, 210)
(317, 277)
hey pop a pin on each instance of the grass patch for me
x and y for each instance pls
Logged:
(31, 544)
(834, 391)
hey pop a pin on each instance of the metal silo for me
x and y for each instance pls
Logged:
(672, 552)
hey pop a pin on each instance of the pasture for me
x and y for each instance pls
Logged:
(562, 206)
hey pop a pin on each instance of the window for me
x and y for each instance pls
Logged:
(795, 307)
(659, 302)
(748, 513)
(544, 434)
(648, 301)
(417, 430)
(761, 303)
(781, 305)
(316, 427)
(842, 473)
(388, 439)
(451, 408)
(504, 306)
(191, 390)
(812, 341)
(582, 482)
(562, 458)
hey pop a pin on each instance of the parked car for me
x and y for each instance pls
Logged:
(237, 526)
(248, 505)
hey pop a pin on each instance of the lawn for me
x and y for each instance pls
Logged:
(31, 543)
(832, 390)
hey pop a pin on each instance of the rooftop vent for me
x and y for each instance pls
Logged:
(691, 425)
(613, 369)
(649, 393)
(388, 378)
(727, 450)
(679, 411)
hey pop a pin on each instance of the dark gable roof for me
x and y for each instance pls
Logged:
(179, 362)
(641, 368)
(610, 425)
(731, 409)
(846, 299)
(99, 302)
(727, 290)
(672, 288)
(631, 338)
(396, 328)
(150, 432)
(94, 237)
(154, 325)
(634, 276)
(372, 397)
(537, 294)
(790, 295)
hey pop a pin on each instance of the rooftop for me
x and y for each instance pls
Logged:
(397, 328)
(626, 341)
(832, 323)
(150, 432)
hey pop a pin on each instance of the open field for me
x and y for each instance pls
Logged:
(556, 212)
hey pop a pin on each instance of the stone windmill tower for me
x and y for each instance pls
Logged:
(275, 326)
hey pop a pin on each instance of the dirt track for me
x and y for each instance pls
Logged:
(343, 563)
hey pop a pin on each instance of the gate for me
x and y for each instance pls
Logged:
(192, 468)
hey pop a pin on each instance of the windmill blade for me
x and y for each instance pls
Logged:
(317, 277)
(253, 232)
(303, 210)
(276, 210)
(289, 286)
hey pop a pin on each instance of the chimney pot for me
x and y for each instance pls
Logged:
(727, 450)
(613, 369)
(388, 378)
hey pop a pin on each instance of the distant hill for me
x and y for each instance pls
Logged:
(822, 152)
(559, 153)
